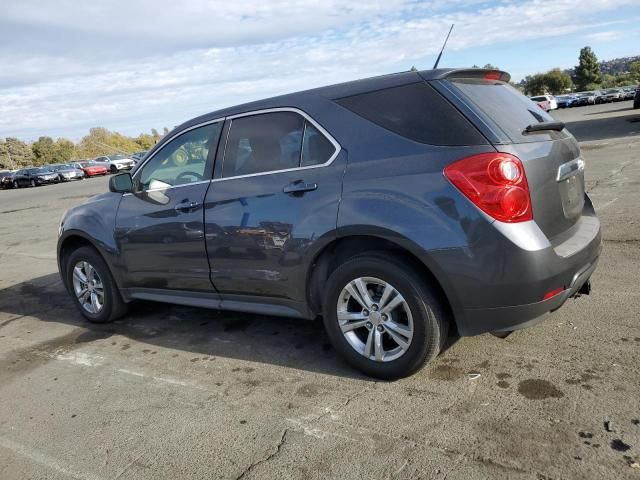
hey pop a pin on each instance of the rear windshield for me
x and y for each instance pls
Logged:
(417, 112)
(505, 106)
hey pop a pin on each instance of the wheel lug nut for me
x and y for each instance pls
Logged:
(374, 308)
(384, 317)
(365, 313)
(369, 325)
(380, 328)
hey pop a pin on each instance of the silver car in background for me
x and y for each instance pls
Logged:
(67, 172)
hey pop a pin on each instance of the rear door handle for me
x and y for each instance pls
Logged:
(186, 205)
(299, 186)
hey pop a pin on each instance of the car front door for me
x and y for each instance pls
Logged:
(19, 178)
(273, 202)
(159, 227)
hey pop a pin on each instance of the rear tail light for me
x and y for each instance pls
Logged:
(496, 183)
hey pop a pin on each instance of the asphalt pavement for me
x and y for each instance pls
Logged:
(176, 392)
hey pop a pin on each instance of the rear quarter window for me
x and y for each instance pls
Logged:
(416, 112)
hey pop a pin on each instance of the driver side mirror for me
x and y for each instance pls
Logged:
(121, 183)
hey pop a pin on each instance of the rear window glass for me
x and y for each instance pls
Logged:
(416, 112)
(511, 111)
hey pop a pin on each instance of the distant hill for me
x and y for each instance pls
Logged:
(615, 66)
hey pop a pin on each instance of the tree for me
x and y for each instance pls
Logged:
(554, 81)
(43, 150)
(634, 71)
(534, 84)
(14, 153)
(101, 141)
(557, 81)
(64, 150)
(145, 141)
(488, 66)
(588, 70)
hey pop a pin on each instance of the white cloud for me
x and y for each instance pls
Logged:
(135, 65)
(604, 36)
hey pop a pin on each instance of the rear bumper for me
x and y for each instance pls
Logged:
(500, 282)
(517, 317)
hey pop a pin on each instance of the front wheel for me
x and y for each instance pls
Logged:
(113, 169)
(382, 317)
(92, 287)
(33, 183)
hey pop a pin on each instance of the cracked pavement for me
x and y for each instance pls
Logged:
(177, 392)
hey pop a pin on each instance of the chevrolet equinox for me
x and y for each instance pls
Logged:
(393, 207)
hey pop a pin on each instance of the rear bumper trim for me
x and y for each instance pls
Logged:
(483, 320)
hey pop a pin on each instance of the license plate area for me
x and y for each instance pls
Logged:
(571, 184)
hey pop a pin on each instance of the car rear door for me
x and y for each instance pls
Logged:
(159, 227)
(273, 204)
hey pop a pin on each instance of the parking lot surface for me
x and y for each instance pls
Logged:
(176, 392)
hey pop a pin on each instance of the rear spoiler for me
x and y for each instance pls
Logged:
(473, 73)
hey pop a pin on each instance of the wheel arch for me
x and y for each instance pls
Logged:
(345, 247)
(71, 242)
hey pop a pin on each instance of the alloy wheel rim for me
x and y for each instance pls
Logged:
(375, 319)
(88, 287)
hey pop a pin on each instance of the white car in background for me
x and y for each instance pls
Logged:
(546, 102)
(115, 163)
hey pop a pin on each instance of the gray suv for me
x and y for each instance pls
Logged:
(396, 208)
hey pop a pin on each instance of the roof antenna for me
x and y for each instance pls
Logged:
(443, 45)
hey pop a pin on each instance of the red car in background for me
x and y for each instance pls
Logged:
(91, 169)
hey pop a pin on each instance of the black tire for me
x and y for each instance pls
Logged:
(430, 317)
(114, 307)
(113, 169)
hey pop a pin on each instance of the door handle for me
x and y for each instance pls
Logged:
(299, 187)
(186, 205)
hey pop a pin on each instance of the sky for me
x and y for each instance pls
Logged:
(133, 65)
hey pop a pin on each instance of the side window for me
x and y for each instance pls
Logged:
(316, 148)
(263, 143)
(417, 112)
(183, 160)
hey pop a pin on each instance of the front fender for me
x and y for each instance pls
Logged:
(93, 221)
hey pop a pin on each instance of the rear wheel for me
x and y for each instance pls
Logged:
(33, 183)
(92, 287)
(382, 317)
(15, 184)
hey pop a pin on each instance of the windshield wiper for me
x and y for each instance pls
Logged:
(539, 127)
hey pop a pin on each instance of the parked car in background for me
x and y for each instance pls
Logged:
(68, 172)
(34, 177)
(599, 96)
(138, 156)
(6, 178)
(91, 169)
(612, 95)
(546, 102)
(567, 101)
(586, 98)
(348, 202)
(115, 163)
(629, 93)
(636, 98)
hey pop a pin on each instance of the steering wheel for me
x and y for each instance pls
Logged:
(188, 174)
